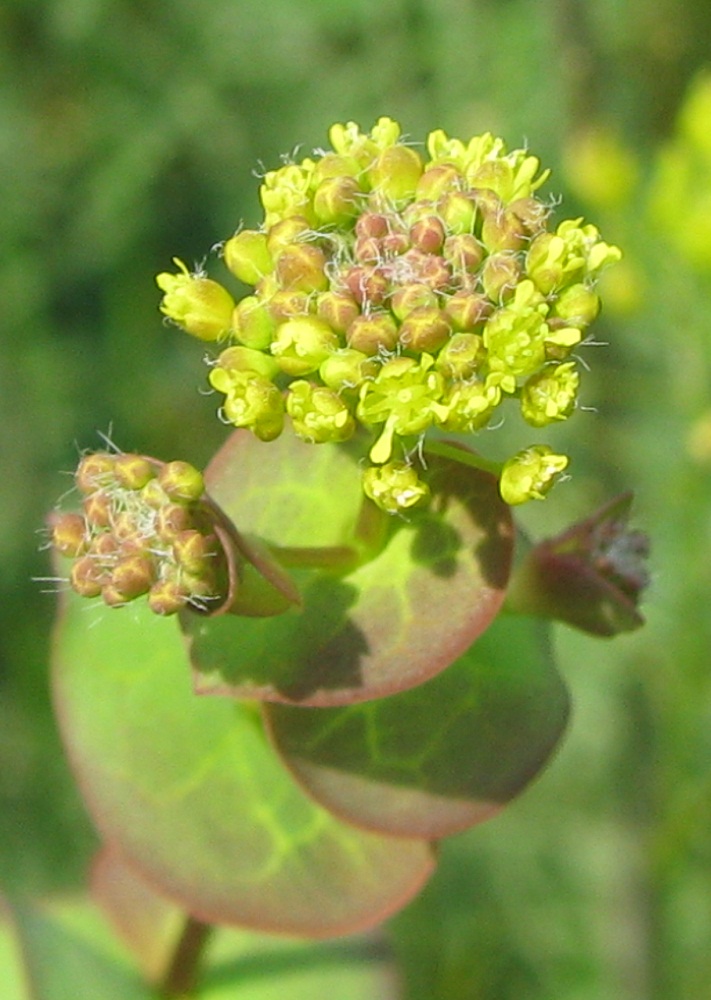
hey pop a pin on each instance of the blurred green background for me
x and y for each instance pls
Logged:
(130, 132)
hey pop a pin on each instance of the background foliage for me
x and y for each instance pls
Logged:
(129, 133)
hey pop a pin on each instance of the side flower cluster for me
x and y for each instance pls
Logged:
(397, 292)
(143, 530)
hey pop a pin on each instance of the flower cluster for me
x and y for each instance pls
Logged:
(144, 529)
(398, 292)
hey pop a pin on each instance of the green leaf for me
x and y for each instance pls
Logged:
(393, 622)
(443, 756)
(256, 968)
(190, 791)
(68, 953)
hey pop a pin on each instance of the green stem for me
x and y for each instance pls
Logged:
(181, 976)
(455, 453)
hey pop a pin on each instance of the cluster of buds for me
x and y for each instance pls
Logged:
(145, 529)
(398, 292)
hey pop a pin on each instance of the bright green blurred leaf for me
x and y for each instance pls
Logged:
(68, 954)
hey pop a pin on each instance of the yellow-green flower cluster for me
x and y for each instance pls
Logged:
(143, 530)
(398, 291)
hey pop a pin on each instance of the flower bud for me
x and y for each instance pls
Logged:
(502, 230)
(97, 509)
(461, 356)
(194, 551)
(458, 212)
(69, 534)
(282, 234)
(438, 180)
(87, 577)
(132, 577)
(373, 334)
(133, 471)
(300, 268)
(347, 369)
(253, 323)
(395, 173)
(287, 304)
(251, 401)
(172, 518)
(247, 256)
(336, 200)
(464, 252)
(409, 297)
(201, 306)
(591, 576)
(245, 359)
(335, 165)
(181, 482)
(578, 305)
(427, 234)
(424, 329)
(367, 285)
(499, 276)
(338, 309)
(425, 268)
(94, 471)
(466, 310)
(166, 597)
(372, 225)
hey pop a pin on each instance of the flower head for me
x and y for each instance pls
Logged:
(400, 290)
(144, 529)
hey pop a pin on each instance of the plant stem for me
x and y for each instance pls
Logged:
(181, 976)
(455, 453)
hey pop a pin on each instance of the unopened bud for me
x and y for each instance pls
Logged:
(499, 276)
(201, 306)
(133, 576)
(461, 356)
(395, 173)
(133, 471)
(337, 309)
(253, 323)
(466, 310)
(464, 252)
(69, 534)
(94, 471)
(247, 256)
(336, 200)
(373, 334)
(438, 180)
(300, 268)
(424, 329)
(181, 481)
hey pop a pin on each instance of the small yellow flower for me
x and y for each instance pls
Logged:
(530, 474)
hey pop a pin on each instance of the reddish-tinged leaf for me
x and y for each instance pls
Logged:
(147, 922)
(440, 757)
(191, 793)
(393, 622)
